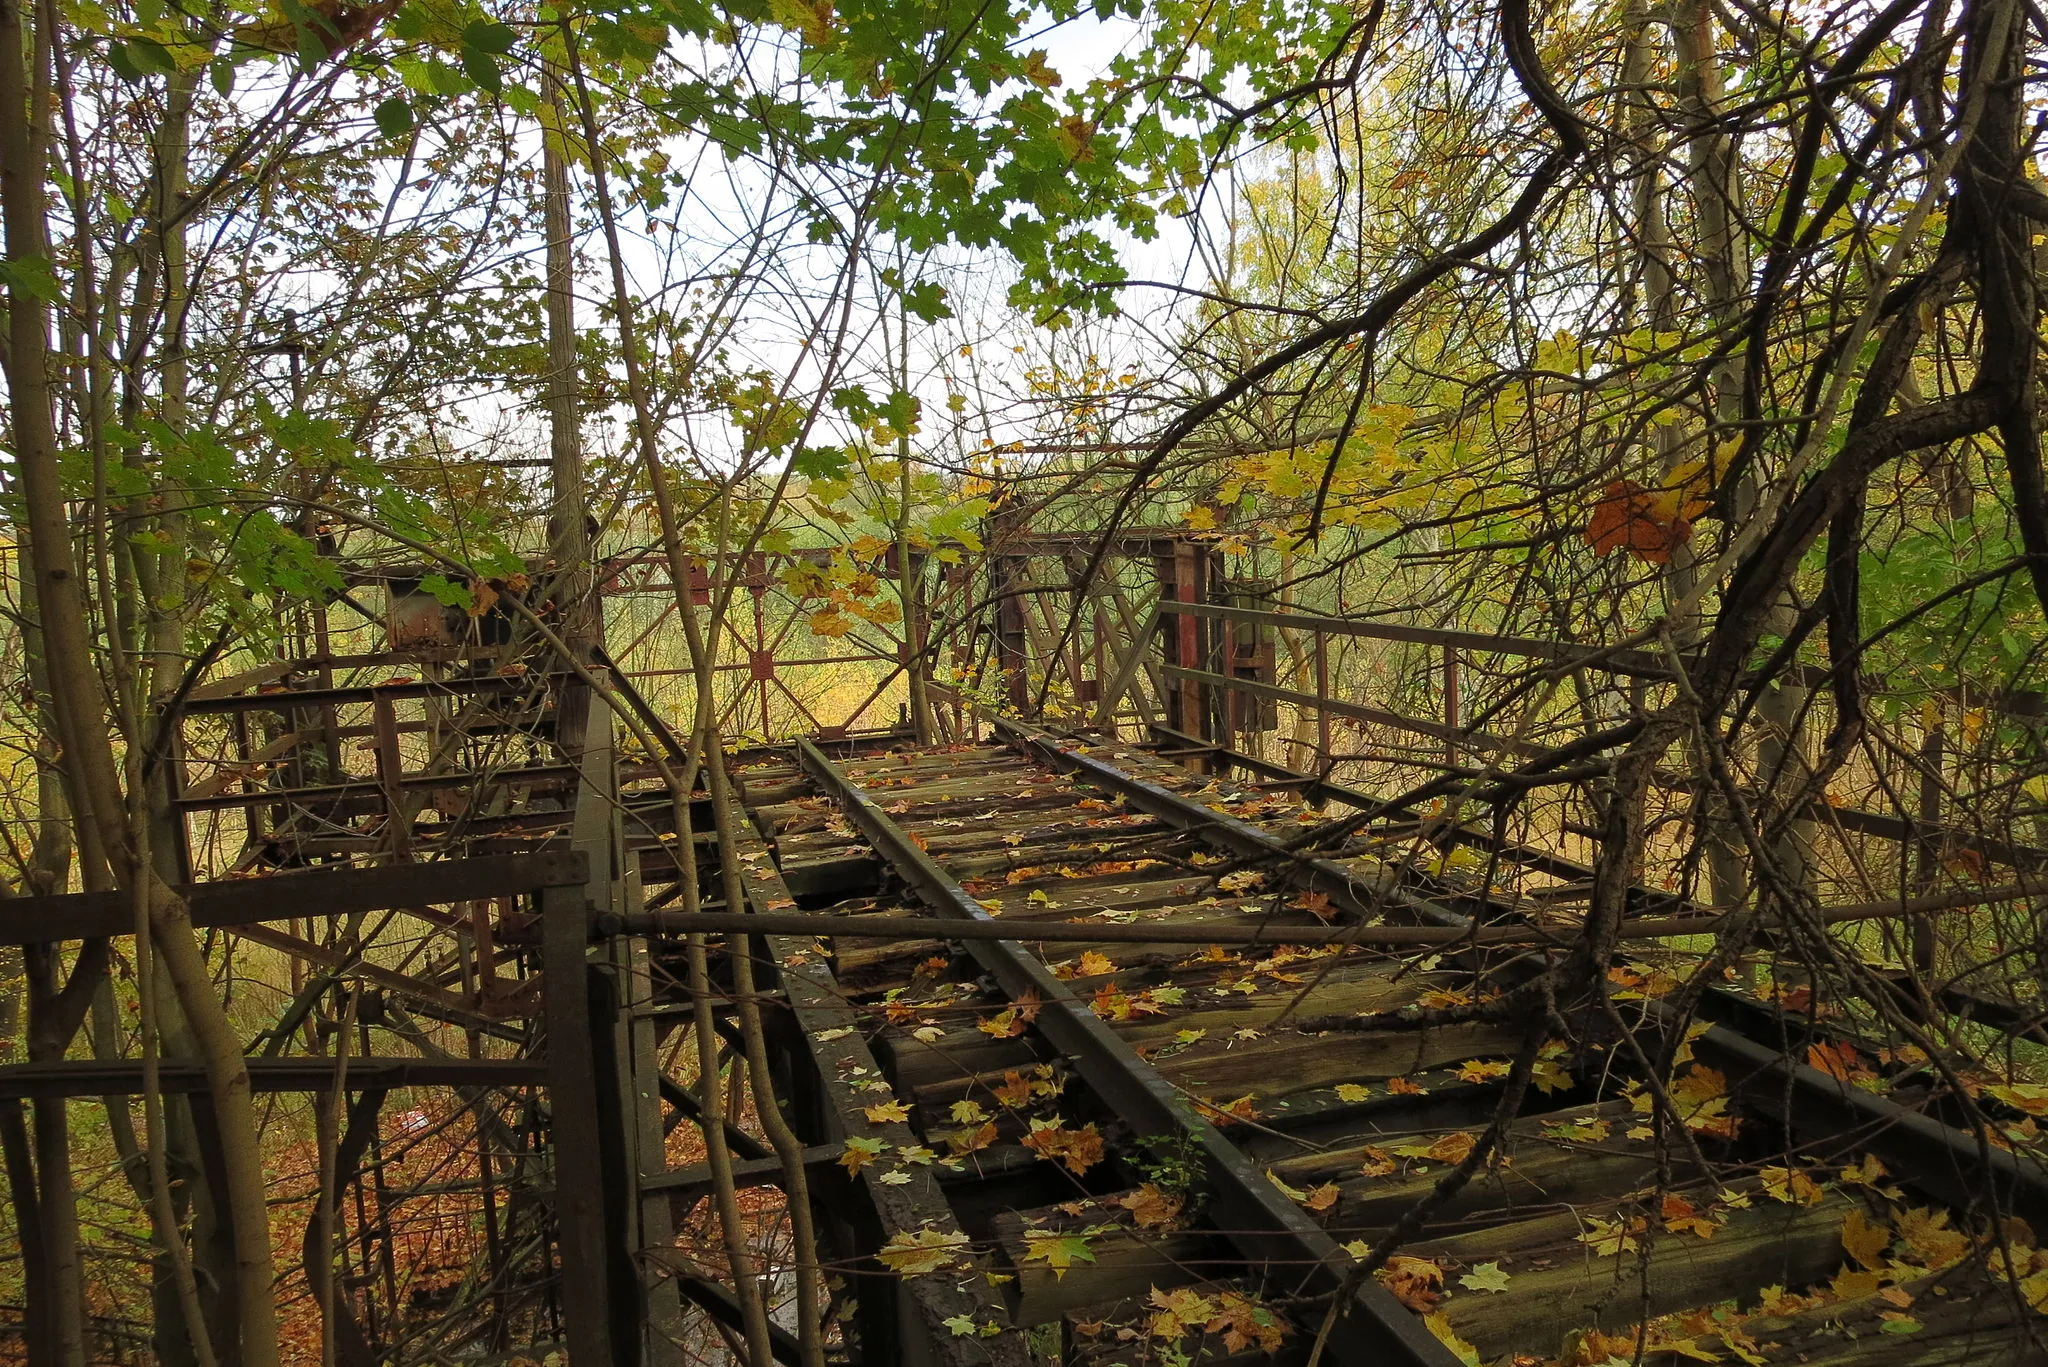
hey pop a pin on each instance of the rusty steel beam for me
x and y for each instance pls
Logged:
(1628, 662)
(1478, 740)
(295, 699)
(909, 929)
(286, 896)
(123, 1077)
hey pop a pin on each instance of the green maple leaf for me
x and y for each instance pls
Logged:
(1058, 1251)
(1485, 1277)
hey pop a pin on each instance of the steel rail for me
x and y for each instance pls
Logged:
(1265, 1227)
(1346, 891)
(1948, 1163)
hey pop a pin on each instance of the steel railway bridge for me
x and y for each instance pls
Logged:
(1091, 1056)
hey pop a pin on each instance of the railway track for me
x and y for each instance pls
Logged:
(1117, 1151)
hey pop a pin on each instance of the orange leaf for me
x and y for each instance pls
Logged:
(1837, 1061)
(1151, 1207)
(1079, 1149)
(1416, 1282)
(1632, 518)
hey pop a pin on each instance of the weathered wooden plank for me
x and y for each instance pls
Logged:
(1558, 1284)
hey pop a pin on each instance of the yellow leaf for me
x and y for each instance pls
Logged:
(1038, 73)
(1440, 1325)
(1789, 1185)
(1453, 1148)
(927, 1250)
(1416, 1282)
(860, 1152)
(1353, 1091)
(1094, 964)
(1611, 1238)
(1864, 1241)
(1079, 1149)
(1932, 1242)
(888, 1112)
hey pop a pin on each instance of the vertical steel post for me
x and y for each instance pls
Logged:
(1451, 700)
(1324, 764)
(639, 1082)
(573, 1125)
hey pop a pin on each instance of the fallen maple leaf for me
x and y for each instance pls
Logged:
(1680, 1217)
(1611, 1237)
(1485, 1277)
(1079, 1149)
(926, 1250)
(1839, 1061)
(1322, 1198)
(1229, 1113)
(1316, 904)
(1455, 1147)
(1863, 1240)
(860, 1152)
(1789, 1185)
(1014, 1090)
(971, 1138)
(1152, 1207)
(1243, 1322)
(1179, 1311)
(1378, 1163)
(887, 1112)
(1439, 1324)
(1416, 1282)
(1005, 1024)
(1058, 1251)
(1926, 1233)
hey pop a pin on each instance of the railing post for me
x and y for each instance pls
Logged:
(1322, 692)
(573, 1125)
(1451, 701)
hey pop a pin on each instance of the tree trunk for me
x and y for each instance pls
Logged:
(81, 721)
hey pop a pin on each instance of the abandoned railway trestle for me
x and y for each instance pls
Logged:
(1079, 1046)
